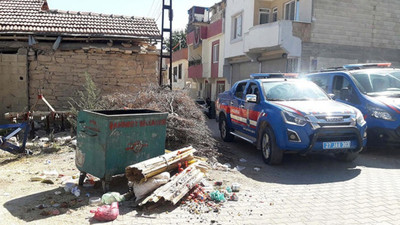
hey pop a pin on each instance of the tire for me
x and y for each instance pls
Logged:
(346, 156)
(270, 151)
(225, 130)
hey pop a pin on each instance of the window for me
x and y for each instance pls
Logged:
(237, 29)
(274, 14)
(290, 10)
(175, 73)
(343, 90)
(321, 81)
(220, 87)
(253, 89)
(291, 65)
(264, 16)
(180, 71)
(240, 89)
(215, 53)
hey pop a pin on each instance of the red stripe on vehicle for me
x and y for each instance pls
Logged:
(295, 110)
(239, 122)
(392, 107)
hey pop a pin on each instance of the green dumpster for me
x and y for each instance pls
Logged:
(109, 141)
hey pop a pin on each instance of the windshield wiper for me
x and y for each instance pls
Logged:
(300, 99)
(274, 99)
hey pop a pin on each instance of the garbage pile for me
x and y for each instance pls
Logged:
(206, 198)
(186, 123)
(153, 176)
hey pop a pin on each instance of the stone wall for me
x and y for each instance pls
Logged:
(60, 74)
(364, 23)
(13, 83)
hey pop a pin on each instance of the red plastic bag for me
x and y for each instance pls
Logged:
(106, 212)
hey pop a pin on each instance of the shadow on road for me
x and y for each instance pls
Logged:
(296, 169)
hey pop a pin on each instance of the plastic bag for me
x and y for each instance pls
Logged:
(111, 197)
(106, 212)
(217, 196)
(141, 190)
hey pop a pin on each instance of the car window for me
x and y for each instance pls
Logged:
(322, 81)
(240, 89)
(253, 89)
(378, 82)
(340, 82)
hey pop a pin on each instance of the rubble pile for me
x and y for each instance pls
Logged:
(186, 123)
(187, 183)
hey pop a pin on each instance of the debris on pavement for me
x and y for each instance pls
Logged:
(106, 212)
(240, 168)
(111, 197)
(242, 160)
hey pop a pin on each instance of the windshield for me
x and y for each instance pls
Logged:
(293, 91)
(378, 82)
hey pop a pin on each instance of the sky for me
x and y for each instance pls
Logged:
(141, 8)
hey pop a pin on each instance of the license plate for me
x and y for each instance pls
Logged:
(336, 144)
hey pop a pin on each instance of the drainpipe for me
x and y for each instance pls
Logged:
(259, 65)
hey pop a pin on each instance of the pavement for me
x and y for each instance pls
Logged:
(313, 189)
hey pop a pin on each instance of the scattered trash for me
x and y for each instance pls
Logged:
(217, 196)
(243, 160)
(42, 206)
(47, 162)
(6, 194)
(47, 181)
(74, 143)
(227, 165)
(55, 212)
(229, 189)
(257, 169)
(142, 189)
(240, 168)
(218, 183)
(57, 193)
(56, 205)
(106, 212)
(38, 178)
(234, 197)
(75, 191)
(87, 195)
(94, 201)
(111, 197)
(235, 187)
(68, 187)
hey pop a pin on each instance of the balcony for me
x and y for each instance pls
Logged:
(196, 71)
(273, 36)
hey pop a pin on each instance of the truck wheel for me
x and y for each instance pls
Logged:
(346, 156)
(224, 129)
(271, 153)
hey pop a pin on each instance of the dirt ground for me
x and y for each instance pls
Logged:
(25, 201)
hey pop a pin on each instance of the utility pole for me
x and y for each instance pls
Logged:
(163, 31)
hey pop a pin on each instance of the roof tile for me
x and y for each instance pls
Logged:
(26, 15)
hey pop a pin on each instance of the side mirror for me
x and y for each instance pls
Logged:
(331, 96)
(251, 98)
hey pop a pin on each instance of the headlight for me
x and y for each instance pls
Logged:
(380, 113)
(360, 118)
(292, 118)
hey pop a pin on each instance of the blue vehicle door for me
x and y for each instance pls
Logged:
(236, 106)
(252, 110)
(345, 91)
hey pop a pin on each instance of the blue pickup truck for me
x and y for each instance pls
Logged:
(374, 89)
(281, 115)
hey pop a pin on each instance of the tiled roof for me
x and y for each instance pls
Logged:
(26, 16)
